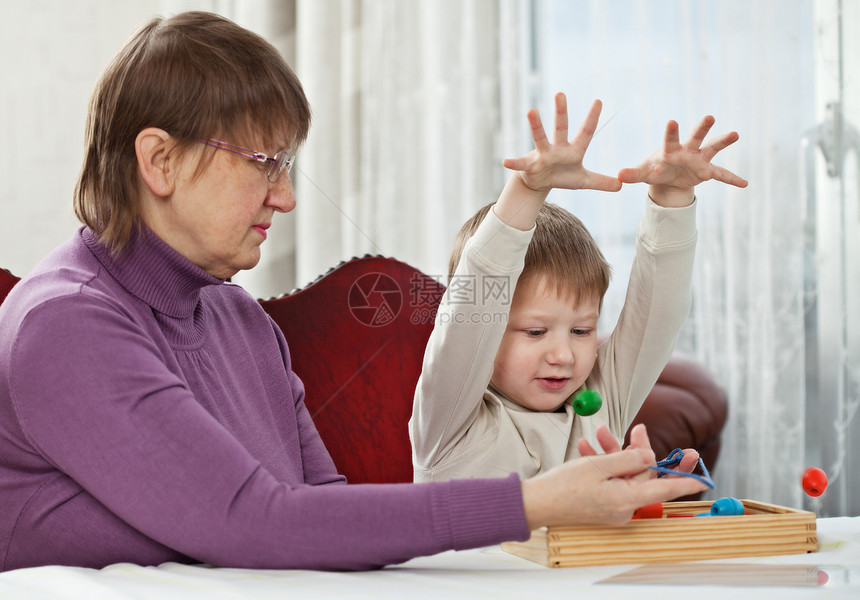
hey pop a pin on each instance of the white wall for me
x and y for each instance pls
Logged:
(52, 52)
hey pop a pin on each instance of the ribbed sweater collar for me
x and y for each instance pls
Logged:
(152, 271)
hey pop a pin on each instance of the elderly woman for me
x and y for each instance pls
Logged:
(148, 411)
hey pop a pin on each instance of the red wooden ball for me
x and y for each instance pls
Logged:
(649, 511)
(814, 481)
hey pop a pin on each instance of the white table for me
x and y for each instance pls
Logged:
(487, 572)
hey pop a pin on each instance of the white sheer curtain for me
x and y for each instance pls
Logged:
(407, 132)
(754, 66)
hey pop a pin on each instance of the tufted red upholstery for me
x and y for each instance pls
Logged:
(7, 281)
(357, 338)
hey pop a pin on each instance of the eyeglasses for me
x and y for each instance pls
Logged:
(277, 163)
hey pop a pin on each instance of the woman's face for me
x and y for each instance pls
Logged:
(218, 219)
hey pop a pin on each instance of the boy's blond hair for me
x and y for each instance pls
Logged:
(561, 250)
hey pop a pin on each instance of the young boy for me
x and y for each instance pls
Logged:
(499, 374)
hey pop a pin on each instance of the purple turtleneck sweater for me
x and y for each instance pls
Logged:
(149, 413)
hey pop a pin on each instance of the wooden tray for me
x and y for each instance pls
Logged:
(763, 530)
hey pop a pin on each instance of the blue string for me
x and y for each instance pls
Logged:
(674, 459)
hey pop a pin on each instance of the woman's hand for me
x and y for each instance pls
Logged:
(638, 439)
(604, 489)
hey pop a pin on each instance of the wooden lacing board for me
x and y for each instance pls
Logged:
(763, 530)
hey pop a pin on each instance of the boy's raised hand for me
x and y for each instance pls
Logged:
(674, 170)
(558, 164)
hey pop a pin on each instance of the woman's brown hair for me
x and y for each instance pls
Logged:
(195, 75)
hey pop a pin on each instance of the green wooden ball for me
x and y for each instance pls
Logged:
(586, 403)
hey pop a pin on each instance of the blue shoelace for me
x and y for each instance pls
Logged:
(674, 459)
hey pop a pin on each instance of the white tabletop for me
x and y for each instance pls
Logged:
(488, 572)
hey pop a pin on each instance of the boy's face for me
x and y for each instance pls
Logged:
(549, 347)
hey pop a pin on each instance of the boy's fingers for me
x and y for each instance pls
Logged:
(700, 132)
(671, 139)
(721, 143)
(538, 134)
(515, 164)
(586, 131)
(561, 124)
(634, 175)
(604, 183)
(726, 176)
(589, 125)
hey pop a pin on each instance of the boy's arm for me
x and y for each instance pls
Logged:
(658, 296)
(459, 357)
(655, 307)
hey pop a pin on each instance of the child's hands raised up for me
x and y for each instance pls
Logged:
(673, 171)
(559, 164)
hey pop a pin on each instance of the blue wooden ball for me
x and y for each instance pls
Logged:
(728, 506)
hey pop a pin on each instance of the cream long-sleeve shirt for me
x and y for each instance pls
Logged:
(461, 427)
